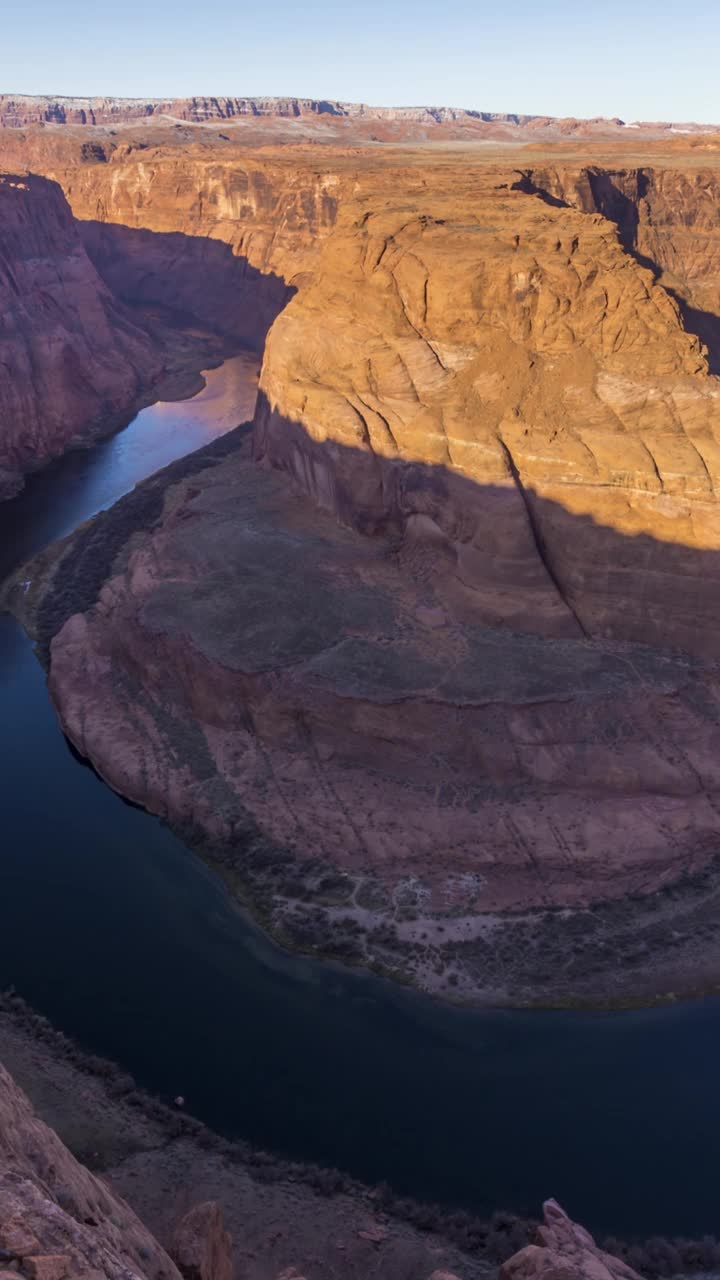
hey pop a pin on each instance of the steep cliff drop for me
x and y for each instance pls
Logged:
(78, 356)
(72, 361)
(57, 1221)
(435, 684)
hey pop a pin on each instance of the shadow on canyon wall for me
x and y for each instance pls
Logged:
(194, 277)
(618, 207)
(460, 635)
(201, 279)
(496, 539)
(508, 540)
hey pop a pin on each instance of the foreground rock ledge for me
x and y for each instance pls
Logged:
(564, 1250)
(60, 1222)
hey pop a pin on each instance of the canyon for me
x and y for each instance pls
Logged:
(76, 362)
(420, 653)
(72, 360)
(424, 663)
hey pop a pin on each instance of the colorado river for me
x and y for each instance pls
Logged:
(127, 942)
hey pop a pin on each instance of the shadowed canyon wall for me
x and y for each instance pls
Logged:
(225, 245)
(72, 361)
(431, 642)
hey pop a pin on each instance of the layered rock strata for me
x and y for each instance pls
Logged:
(72, 361)
(503, 380)
(57, 1221)
(493, 688)
(305, 701)
(21, 110)
(666, 218)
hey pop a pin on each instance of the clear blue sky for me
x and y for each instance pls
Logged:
(639, 59)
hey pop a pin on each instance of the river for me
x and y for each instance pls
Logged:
(127, 942)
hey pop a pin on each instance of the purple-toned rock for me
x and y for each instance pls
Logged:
(201, 1247)
(564, 1251)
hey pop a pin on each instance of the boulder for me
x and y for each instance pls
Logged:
(201, 1247)
(564, 1251)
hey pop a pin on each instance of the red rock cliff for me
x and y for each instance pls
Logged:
(71, 360)
(468, 698)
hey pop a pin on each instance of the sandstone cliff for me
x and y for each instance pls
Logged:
(57, 1221)
(21, 110)
(494, 686)
(221, 238)
(72, 361)
(512, 346)
(666, 217)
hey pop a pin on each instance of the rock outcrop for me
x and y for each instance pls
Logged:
(508, 346)
(666, 217)
(201, 1246)
(59, 1222)
(72, 362)
(564, 1250)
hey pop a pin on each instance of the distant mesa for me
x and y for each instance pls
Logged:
(22, 110)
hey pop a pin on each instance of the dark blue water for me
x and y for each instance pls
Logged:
(127, 942)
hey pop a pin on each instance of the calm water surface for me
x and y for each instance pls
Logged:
(127, 942)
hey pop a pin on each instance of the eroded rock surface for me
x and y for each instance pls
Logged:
(21, 110)
(72, 361)
(549, 388)
(565, 1250)
(256, 672)
(57, 1221)
(201, 1246)
(60, 1222)
(446, 659)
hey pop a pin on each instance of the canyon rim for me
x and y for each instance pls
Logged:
(420, 654)
(425, 662)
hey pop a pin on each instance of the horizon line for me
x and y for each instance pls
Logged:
(348, 102)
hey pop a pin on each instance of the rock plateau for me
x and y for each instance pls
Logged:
(427, 662)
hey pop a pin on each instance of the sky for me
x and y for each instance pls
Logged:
(640, 59)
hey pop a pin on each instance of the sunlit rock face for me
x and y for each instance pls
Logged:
(564, 417)
(447, 624)
(346, 120)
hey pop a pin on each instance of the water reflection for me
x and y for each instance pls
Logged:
(56, 500)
